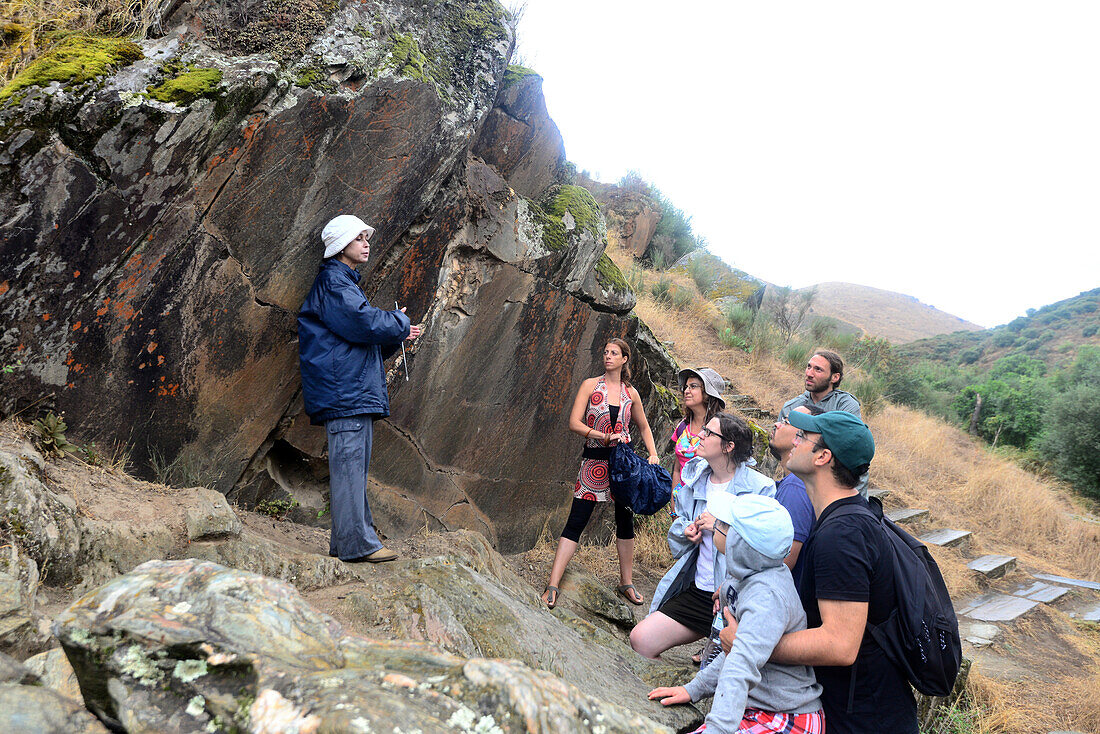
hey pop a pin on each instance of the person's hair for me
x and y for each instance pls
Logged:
(737, 431)
(836, 365)
(624, 376)
(844, 476)
(712, 406)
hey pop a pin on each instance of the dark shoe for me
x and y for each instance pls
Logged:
(379, 556)
(550, 596)
(634, 597)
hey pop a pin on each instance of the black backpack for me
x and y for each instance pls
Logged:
(921, 636)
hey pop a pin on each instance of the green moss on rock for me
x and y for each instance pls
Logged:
(75, 60)
(608, 274)
(516, 73)
(579, 203)
(553, 231)
(188, 86)
(407, 59)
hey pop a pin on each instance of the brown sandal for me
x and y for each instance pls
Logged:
(623, 589)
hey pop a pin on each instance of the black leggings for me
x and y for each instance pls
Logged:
(581, 512)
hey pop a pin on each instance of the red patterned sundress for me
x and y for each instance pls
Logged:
(592, 481)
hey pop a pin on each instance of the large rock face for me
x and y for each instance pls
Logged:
(154, 255)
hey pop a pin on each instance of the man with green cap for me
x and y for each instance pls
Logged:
(847, 582)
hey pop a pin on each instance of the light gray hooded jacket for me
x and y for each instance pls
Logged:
(768, 607)
(688, 504)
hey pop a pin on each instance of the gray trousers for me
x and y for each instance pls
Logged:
(349, 444)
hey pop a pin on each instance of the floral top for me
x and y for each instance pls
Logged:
(686, 444)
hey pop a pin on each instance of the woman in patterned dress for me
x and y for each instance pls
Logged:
(602, 413)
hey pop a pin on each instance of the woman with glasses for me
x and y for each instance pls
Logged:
(602, 413)
(683, 607)
(702, 393)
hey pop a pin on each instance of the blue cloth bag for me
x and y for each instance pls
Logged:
(643, 487)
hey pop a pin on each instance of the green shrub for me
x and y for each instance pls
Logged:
(869, 390)
(795, 355)
(277, 509)
(682, 299)
(1072, 437)
(738, 317)
(702, 273)
(662, 290)
(49, 436)
(732, 340)
(1090, 330)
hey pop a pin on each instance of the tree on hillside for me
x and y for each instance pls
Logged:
(1073, 435)
(788, 309)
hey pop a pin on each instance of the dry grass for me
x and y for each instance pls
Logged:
(31, 27)
(928, 463)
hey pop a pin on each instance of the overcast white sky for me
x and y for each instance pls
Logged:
(947, 150)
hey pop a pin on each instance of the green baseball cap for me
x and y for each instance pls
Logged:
(846, 436)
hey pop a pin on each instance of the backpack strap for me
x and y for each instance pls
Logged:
(874, 509)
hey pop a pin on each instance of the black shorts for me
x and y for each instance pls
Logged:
(693, 608)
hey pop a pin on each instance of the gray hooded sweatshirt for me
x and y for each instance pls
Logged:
(767, 608)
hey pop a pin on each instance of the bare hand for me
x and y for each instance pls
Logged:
(670, 696)
(613, 438)
(729, 633)
(705, 521)
(716, 597)
(414, 331)
(692, 533)
(653, 459)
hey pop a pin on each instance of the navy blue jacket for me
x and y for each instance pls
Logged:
(342, 341)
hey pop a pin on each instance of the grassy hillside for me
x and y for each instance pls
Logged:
(896, 317)
(1050, 334)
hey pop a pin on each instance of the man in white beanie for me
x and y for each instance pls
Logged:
(342, 341)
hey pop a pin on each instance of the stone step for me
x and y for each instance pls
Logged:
(882, 494)
(909, 516)
(1068, 581)
(979, 634)
(948, 538)
(1038, 591)
(1088, 612)
(994, 607)
(993, 567)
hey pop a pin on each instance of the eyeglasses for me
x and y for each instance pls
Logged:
(692, 386)
(707, 432)
(801, 436)
(782, 422)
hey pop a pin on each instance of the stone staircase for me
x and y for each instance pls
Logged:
(1006, 600)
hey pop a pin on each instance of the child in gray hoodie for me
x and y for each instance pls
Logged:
(751, 693)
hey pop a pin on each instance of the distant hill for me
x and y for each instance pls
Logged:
(1051, 333)
(896, 317)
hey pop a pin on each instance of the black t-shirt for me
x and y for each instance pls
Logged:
(847, 559)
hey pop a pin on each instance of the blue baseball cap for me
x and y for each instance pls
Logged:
(846, 436)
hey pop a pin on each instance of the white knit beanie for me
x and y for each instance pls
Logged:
(341, 230)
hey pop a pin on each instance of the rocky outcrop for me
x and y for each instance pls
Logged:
(159, 246)
(524, 300)
(192, 646)
(520, 140)
(632, 215)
